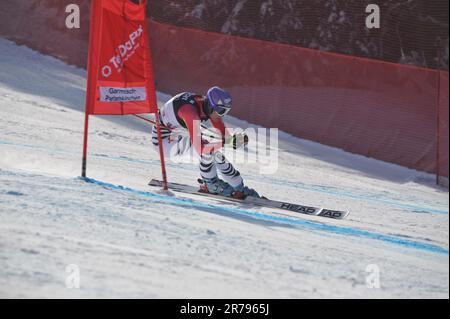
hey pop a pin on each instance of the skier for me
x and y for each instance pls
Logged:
(186, 112)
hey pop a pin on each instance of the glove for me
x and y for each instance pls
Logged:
(238, 140)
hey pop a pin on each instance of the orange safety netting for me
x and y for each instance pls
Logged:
(382, 110)
(377, 109)
(443, 127)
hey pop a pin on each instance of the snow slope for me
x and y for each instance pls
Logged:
(129, 241)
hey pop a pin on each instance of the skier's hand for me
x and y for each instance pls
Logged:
(237, 140)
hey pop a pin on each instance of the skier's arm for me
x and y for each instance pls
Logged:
(236, 140)
(218, 124)
(189, 115)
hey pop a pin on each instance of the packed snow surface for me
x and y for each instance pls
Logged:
(122, 238)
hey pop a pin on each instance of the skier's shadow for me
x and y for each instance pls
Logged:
(236, 211)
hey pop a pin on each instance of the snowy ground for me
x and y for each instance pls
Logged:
(134, 242)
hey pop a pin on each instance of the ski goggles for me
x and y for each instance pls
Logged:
(222, 110)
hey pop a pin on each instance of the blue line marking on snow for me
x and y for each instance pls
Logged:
(284, 183)
(395, 240)
(367, 198)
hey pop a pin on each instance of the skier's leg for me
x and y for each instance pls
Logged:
(232, 176)
(208, 169)
(180, 145)
(208, 172)
(227, 170)
(209, 164)
(173, 145)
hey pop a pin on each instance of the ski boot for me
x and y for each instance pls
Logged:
(216, 186)
(241, 192)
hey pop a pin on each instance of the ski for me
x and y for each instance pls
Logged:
(262, 202)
